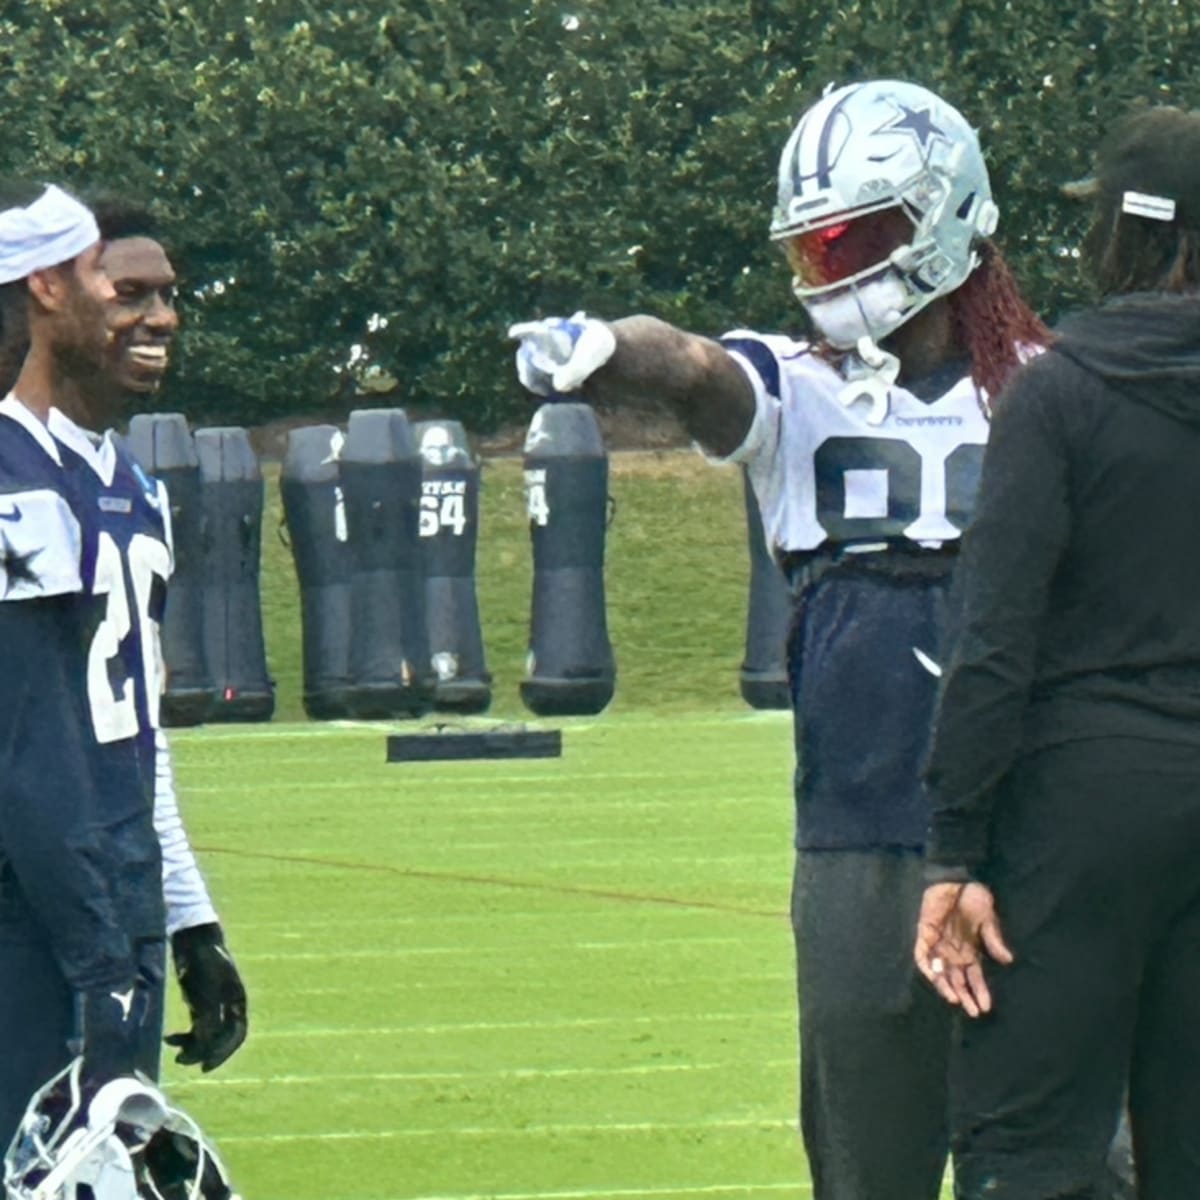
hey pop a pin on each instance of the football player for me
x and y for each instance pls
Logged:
(863, 443)
(80, 506)
(140, 322)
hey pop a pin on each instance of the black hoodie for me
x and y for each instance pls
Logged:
(1080, 574)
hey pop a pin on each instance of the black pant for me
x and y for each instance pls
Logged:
(1096, 872)
(874, 1038)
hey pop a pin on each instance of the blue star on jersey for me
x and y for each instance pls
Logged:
(15, 567)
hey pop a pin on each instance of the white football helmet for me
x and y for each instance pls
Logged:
(883, 194)
(128, 1143)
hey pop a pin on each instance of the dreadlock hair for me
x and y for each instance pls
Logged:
(992, 321)
(1155, 151)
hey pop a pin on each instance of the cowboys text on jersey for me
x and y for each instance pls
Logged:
(832, 468)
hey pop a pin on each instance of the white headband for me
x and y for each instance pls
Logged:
(52, 230)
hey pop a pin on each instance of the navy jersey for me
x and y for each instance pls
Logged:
(864, 501)
(57, 857)
(127, 515)
(126, 518)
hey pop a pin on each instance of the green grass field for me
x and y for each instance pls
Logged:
(557, 978)
(533, 980)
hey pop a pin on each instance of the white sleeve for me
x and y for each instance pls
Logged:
(762, 438)
(184, 889)
(164, 508)
(757, 358)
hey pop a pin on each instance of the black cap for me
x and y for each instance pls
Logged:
(1149, 166)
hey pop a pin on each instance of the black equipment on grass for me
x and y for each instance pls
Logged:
(231, 496)
(390, 672)
(570, 669)
(449, 529)
(764, 676)
(163, 446)
(451, 745)
(315, 513)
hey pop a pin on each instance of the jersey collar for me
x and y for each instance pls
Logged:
(11, 407)
(98, 452)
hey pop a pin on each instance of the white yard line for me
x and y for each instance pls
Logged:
(680, 1190)
(358, 990)
(474, 953)
(497, 783)
(501, 1131)
(272, 1081)
(287, 928)
(342, 1031)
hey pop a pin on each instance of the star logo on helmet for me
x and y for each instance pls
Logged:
(915, 121)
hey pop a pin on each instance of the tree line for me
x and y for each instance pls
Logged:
(359, 197)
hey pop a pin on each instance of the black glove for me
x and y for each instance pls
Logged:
(106, 1025)
(213, 992)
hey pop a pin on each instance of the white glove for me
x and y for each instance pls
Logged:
(557, 354)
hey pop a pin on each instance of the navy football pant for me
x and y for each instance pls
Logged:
(874, 1038)
(36, 1019)
(1096, 872)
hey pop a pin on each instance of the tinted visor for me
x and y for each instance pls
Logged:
(820, 257)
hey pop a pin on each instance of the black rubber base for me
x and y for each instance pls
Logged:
(245, 706)
(385, 701)
(463, 696)
(441, 747)
(567, 697)
(765, 691)
(189, 706)
(330, 704)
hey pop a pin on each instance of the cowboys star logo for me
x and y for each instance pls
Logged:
(14, 566)
(917, 122)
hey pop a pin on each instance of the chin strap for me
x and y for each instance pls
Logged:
(870, 372)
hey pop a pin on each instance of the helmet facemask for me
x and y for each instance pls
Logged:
(844, 272)
(126, 1143)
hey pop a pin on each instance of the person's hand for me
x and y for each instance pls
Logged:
(558, 353)
(214, 994)
(957, 923)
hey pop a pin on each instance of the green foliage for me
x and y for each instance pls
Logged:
(407, 179)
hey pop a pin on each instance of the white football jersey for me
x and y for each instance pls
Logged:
(829, 473)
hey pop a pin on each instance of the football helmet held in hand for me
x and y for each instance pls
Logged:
(557, 354)
(125, 1142)
(883, 196)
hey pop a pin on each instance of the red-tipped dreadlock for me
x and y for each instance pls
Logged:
(993, 323)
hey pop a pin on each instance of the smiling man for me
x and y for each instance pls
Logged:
(95, 868)
(141, 316)
(140, 327)
(140, 321)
